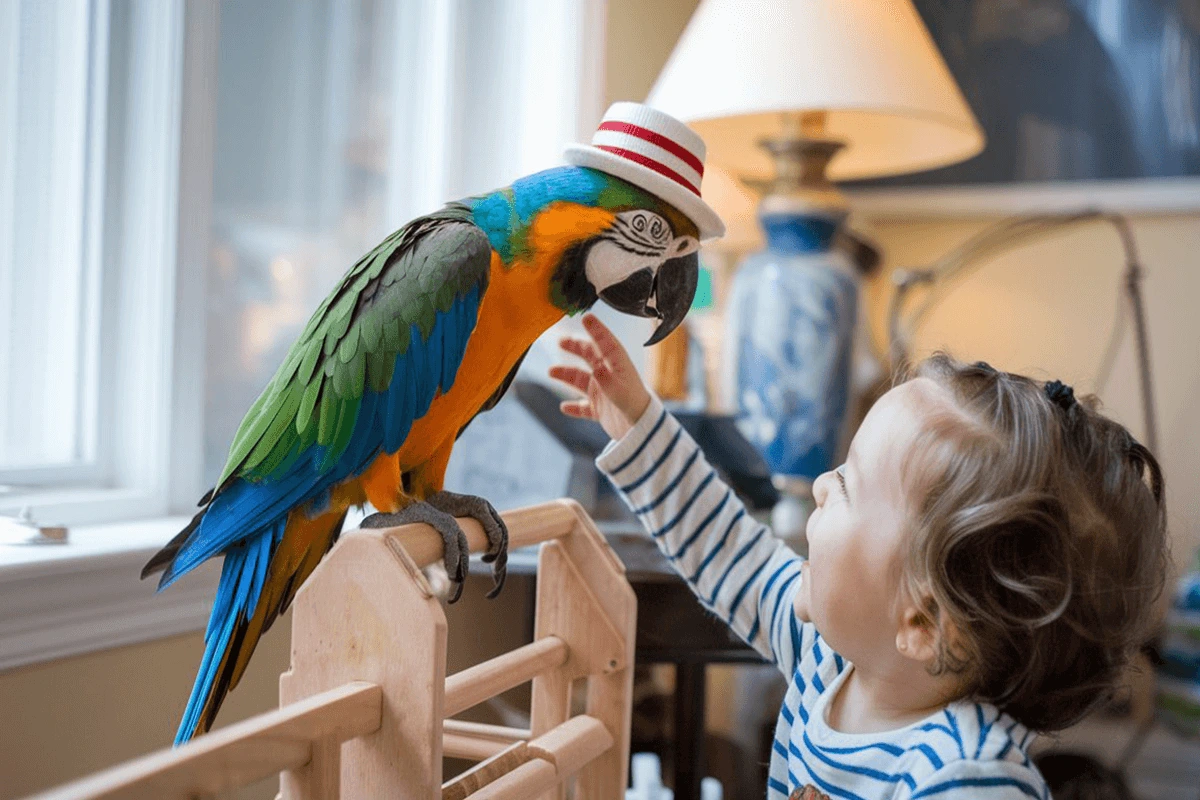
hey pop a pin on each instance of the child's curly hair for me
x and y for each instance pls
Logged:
(1039, 543)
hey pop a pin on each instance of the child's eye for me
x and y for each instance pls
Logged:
(840, 472)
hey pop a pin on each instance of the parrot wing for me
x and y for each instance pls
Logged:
(369, 362)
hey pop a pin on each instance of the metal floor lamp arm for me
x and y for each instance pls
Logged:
(969, 256)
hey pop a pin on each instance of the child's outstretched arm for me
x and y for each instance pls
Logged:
(734, 564)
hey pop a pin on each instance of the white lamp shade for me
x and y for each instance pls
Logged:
(869, 64)
(738, 208)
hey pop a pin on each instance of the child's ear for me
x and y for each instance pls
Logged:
(917, 637)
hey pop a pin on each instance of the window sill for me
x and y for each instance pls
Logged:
(75, 598)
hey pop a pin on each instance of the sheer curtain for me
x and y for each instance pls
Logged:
(337, 121)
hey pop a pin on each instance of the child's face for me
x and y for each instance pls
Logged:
(851, 581)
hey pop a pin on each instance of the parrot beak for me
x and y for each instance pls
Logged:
(674, 290)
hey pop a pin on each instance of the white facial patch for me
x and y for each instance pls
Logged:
(638, 240)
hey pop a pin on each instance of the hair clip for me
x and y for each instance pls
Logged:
(1060, 394)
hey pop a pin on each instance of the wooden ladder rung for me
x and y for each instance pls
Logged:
(528, 780)
(501, 763)
(488, 679)
(240, 753)
(476, 741)
(548, 760)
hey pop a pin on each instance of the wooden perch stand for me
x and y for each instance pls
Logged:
(363, 709)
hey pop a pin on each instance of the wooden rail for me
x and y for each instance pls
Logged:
(241, 753)
(478, 683)
(363, 709)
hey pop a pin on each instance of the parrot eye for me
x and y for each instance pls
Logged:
(639, 240)
(642, 232)
(647, 227)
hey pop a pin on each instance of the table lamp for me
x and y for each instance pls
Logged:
(790, 96)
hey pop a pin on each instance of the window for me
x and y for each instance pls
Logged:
(182, 181)
(92, 167)
(49, 175)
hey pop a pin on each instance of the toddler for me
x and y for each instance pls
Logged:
(979, 569)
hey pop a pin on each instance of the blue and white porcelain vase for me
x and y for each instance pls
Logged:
(791, 328)
(794, 307)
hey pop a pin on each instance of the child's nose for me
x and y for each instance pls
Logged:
(821, 488)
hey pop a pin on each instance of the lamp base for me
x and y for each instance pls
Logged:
(792, 316)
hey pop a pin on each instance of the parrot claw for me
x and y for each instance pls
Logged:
(468, 505)
(457, 551)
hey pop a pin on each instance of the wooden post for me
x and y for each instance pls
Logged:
(367, 613)
(584, 599)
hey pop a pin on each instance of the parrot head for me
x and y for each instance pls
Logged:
(645, 266)
(602, 238)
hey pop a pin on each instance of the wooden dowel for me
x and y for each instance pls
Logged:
(476, 741)
(239, 754)
(499, 733)
(482, 681)
(572, 744)
(528, 780)
(526, 526)
(470, 748)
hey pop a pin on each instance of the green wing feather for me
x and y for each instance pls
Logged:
(352, 340)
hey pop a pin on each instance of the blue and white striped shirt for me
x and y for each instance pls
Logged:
(749, 578)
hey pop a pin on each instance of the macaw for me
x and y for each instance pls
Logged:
(421, 334)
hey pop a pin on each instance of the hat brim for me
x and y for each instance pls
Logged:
(691, 205)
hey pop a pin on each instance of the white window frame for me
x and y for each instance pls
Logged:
(83, 596)
(146, 228)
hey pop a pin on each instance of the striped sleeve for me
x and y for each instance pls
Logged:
(985, 779)
(734, 564)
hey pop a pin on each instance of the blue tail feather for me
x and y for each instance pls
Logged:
(243, 576)
(241, 505)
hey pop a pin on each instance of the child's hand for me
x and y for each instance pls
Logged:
(614, 394)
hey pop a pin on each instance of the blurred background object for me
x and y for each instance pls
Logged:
(939, 278)
(1070, 90)
(1178, 696)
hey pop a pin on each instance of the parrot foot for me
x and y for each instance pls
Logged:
(457, 551)
(468, 505)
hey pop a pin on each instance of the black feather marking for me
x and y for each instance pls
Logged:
(162, 559)
(570, 278)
